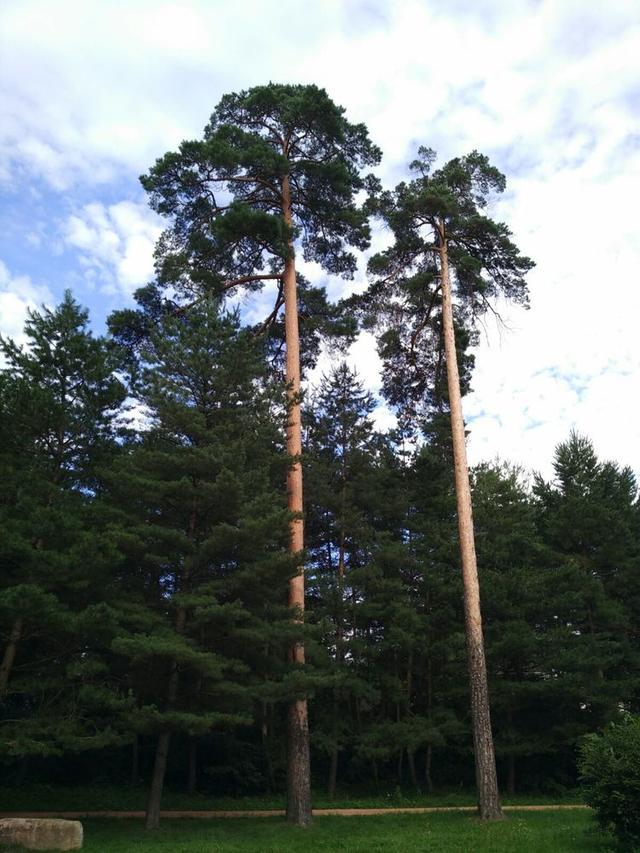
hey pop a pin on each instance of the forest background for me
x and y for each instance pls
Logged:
(386, 673)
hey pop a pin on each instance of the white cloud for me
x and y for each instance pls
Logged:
(17, 295)
(115, 243)
(549, 90)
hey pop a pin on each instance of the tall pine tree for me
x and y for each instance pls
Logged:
(442, 239)
(278, 168)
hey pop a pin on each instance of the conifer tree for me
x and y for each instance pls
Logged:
(278, 168)
(517, 602)
(439, 650)
(204, 531)
(442, 239)
(341, 447)
(587, 516)
(57, 408)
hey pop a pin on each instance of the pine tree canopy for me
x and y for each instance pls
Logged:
(224, 193)
(403, 301)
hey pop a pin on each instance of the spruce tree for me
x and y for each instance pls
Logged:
(587, 516)
(517, 602)
(443, 239)
(58, 404)
(278, 169)
(439, 667)
(204, 531)
(341, 447)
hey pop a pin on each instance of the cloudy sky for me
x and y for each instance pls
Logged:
(93, 91)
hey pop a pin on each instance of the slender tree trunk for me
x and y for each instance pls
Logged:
(400, 767)
(401, 751)
(298, 766)
(486, 778)
(511, 775)
(135, 760)
(333, 774)
(152, 820)
(264, 730)
(427, 768)
(333, 764)
(411, 761)
(429, 755)
(10, 655)
(192, 766)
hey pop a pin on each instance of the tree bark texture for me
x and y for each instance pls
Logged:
(486, 777)
(10, 655)
(298, 765)
(152, 820)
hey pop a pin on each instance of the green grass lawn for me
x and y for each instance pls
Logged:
(113, 797)
(543, 832)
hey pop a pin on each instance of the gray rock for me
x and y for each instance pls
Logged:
(41, 833)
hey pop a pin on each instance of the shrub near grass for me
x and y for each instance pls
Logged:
(610, 772)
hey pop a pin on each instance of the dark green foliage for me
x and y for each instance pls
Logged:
(228, 208)
(58, 404)
(403, 300)
(514, 579)
(588, 518)
(610, 773)
(342, 464)
(60, 396)
(224, 193)
(203, 530)
(102, 552)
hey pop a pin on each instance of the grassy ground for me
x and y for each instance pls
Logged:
(560, 832)
(112, 797)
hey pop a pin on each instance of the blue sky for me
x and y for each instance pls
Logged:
(92, 92)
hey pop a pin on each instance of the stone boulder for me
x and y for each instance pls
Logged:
(40, 833)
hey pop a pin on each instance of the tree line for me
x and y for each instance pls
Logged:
(152, 501)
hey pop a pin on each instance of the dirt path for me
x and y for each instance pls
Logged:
(185, 813)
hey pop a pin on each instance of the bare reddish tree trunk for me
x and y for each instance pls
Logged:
(486, 777)
(298, 765)
(10, 655)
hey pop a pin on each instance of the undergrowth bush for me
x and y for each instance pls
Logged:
(610, 773)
